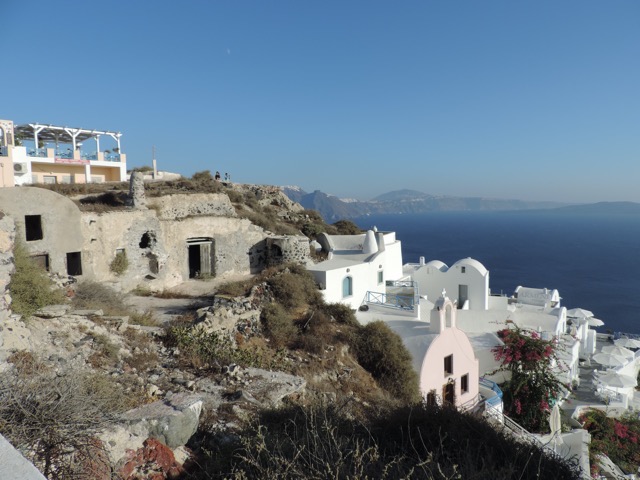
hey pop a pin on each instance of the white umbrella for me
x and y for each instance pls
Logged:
(610, 360)
(627, 342)
(594, 322)
(617, 350)
(556, 425)
(617, 380)
(579, 313)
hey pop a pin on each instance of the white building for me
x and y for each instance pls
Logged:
(357, 264)
(38, 153)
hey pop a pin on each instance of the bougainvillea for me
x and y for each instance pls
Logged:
(532, 386)
(618, 438)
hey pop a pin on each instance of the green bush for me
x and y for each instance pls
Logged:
(120, 263)
(30, 287)
(381, 352)
(278, 325)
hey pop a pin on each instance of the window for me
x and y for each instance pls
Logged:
(33, 227)
(74, 263)
(448, 365)
(50, 179)
(42, 261)
(464, 383)
(347, 287)
(380, 277)
(464, 269)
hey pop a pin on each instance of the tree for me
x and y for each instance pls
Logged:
(532, 387)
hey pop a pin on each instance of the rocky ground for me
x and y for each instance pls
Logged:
(171, 398)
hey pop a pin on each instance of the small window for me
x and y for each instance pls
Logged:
(347, 287)
(448, 365)
(42, 261)
(380, 277)
(33, 227)
(464, 383)
(464, 269)
(74, 263)
(49, 179)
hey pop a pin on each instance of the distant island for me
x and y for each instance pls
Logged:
(404, 201)
(333, 208)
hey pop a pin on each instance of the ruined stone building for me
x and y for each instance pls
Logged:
(165, 240)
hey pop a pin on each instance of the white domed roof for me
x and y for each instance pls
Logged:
(470, 262)
(437, 264)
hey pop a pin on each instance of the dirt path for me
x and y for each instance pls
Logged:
(198, 294)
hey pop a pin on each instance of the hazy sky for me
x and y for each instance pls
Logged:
(508, 99)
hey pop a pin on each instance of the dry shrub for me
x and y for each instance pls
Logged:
(26, 363)
(94, 295)
(294, 287)
(146, 318)
(341, 313)
(318, 442)
(53, 418)
(278, 325)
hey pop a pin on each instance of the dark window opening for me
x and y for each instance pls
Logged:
(449, 393)
(145, 241)
(464, 383)
(448, 365)
(33, 227)
(74, 263)
(42, 261)
(464, 269)
(431, 399)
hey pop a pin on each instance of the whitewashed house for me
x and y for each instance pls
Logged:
(356, 265)
(467, 280)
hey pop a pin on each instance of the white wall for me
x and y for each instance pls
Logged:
(431, 281)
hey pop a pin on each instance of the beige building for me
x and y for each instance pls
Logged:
(37, 153)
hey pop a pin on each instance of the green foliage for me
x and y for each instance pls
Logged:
(322, 442)
(617, 438)
(312, 230)
(30, 287)
(381, 352)
(278, 325)
(120, 263)
(533, 387)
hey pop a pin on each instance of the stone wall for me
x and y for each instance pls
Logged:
(172, 207)
(7, 266)
(59, 223)
(288, 250)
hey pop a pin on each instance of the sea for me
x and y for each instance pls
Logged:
(593, 260)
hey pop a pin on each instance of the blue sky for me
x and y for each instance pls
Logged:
(531, 100)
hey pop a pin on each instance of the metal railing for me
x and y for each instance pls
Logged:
(403, 302)
(37, 152)
(112, 157)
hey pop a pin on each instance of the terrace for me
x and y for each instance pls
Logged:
(65, 145)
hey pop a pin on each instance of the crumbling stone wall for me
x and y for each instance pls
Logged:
(173, 207)
(138, 233)
(7, 266)
(288, 249)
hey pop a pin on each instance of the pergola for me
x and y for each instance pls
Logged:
(53, 133)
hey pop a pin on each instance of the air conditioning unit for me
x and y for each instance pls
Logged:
(20, 168)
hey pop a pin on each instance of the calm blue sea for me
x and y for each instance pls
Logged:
(593, 260)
